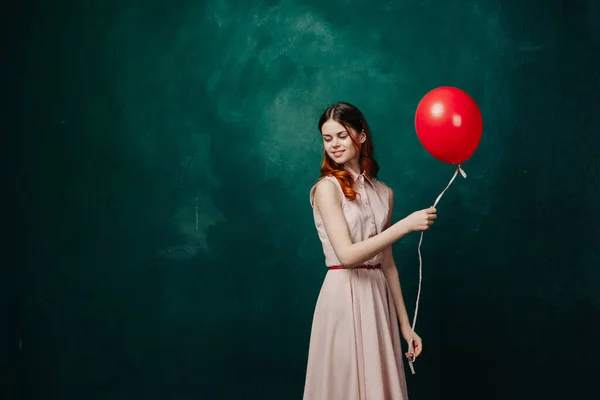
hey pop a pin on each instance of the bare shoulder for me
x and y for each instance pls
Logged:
(326, 189)
(326, 194)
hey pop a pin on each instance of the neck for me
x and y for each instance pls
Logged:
(354, 166)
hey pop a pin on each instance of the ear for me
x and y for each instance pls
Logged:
(362, 136)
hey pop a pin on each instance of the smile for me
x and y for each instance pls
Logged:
(337, 154)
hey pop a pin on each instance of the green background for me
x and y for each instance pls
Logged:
(163, 155)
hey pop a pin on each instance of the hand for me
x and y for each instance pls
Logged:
(417, 344)
(421, 220)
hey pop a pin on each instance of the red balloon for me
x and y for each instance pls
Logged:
(449, 124)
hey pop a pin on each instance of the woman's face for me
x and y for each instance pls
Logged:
(338, 143)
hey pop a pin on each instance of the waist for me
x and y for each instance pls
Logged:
(364, 266)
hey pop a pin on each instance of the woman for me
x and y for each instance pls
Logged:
(355, 350)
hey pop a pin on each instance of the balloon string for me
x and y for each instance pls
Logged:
(410, 344)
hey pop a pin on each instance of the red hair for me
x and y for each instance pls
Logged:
(349, 116)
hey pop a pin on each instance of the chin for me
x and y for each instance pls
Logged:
(340, 160)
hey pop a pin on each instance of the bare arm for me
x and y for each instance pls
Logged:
(393, 279)
(328, 201)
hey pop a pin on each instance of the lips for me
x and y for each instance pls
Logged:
(337, 154)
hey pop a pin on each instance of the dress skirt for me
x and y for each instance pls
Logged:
(355, 350)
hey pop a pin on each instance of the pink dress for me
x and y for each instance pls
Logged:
(355, 350)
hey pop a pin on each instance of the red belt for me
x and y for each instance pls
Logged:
(376, 266)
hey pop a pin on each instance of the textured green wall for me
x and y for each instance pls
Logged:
(168, 150)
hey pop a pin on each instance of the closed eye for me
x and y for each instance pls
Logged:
(328, 138)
